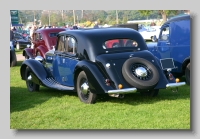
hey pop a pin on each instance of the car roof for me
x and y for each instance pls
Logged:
(91, 40)
(103, 33)
(178, 18)
(47, 30)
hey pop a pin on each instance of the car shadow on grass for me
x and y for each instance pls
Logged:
(137, 98)
(21, 99)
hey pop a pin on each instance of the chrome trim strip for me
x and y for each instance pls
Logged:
(172, 85)
(123, 91)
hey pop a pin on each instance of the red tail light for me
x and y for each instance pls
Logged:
(107, 81)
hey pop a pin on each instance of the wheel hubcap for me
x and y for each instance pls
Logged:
(140, 71)
(84, 88)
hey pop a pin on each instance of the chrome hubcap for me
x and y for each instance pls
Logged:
(84, 88)
(140, 71)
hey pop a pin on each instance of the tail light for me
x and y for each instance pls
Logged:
(107, 81)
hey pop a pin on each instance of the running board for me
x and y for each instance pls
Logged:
(51, 83)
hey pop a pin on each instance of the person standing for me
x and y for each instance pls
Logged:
(96, 24)
(11, 34)
(75, 26)
(11, 38)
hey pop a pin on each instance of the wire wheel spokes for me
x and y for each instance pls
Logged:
(144, 70)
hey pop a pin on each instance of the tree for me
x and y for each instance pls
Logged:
(163, 13)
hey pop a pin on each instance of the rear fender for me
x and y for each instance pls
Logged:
(96, 79)
(29, 52)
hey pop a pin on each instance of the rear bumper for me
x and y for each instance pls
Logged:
(173, 85)
(123, 91)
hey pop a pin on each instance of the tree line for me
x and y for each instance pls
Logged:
(87, 17)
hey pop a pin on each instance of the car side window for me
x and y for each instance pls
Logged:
(40, 36)
(117, 43)
(36, 36)
(60, 46)
(71, 45)
(164, 36)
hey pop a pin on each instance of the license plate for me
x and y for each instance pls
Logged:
(167, 63)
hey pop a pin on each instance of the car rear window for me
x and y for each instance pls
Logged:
(54, 34)
(115, 43)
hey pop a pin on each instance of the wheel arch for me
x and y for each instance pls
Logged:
(29, 52)
(95, 77)
(185, 63)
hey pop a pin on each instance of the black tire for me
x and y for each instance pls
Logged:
(187, 74)
(129, 73)
(150, 93)
(13, 59)
(88, 97)
(30, 84)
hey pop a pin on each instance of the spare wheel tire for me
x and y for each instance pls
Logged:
(140, 73)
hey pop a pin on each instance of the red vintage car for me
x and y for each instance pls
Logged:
(43, 41)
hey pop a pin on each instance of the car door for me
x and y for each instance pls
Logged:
(65, 60)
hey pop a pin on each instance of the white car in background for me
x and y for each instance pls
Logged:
(149, 32)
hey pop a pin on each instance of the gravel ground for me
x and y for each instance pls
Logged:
(20, 57)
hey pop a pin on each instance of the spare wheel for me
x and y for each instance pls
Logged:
(140, 73)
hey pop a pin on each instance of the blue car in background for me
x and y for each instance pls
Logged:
(13, 57)
(174, 42)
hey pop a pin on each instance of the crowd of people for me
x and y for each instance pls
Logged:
(34, 27)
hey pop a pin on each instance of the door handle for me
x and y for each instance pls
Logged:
(168, 43)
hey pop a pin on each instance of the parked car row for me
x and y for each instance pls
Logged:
(111, 61)
(84, 61)
(21, 42)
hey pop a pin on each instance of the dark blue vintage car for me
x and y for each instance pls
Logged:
(112, 61)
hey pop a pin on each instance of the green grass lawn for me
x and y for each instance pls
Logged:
(52, 109)
(18, 51)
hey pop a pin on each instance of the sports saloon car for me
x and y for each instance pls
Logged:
(85, 62)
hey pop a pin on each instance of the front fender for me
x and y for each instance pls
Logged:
(96, 79)
(29, 52)
(37, 68)
(42, 50)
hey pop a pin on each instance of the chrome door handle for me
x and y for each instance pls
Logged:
(168, 43)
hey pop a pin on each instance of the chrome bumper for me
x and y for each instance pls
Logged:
(123, 91)
(173, 85)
